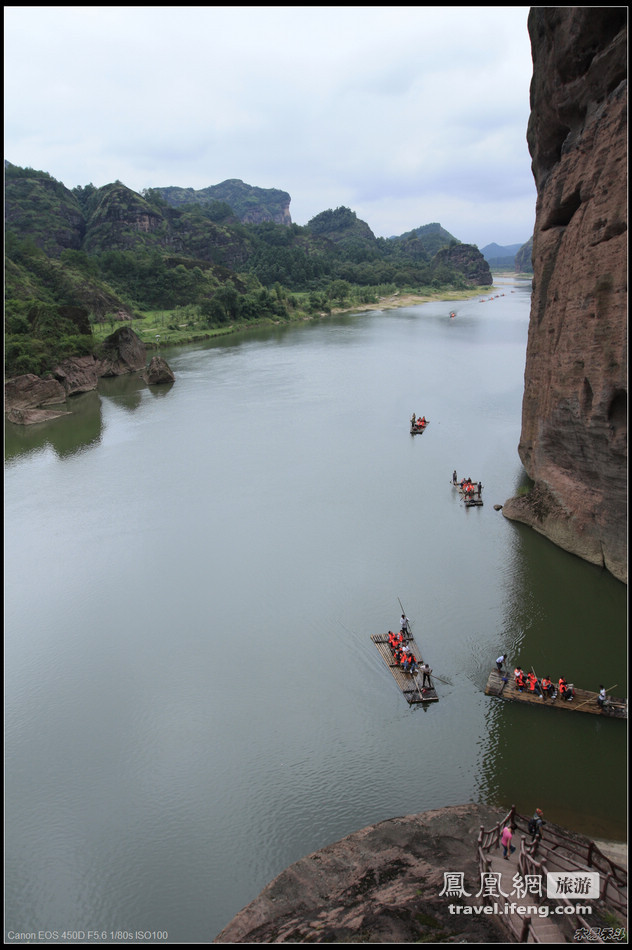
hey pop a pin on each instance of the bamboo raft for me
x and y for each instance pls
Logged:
(409, 683)
(585, 701)
(471, 500)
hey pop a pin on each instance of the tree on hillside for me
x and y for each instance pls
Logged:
(339, 290)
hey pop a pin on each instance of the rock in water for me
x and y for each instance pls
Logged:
(158, 372)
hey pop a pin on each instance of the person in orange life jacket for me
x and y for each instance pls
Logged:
(534, 686)
(520, 681)
(392, 639)
(547, 686)
(565, 691)
(410, 661)
(517, 672)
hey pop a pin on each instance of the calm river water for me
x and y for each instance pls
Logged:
(191, 580)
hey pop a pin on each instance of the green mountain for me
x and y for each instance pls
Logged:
(251, 205)
(40, 208)
(432, 237)
(110, 251)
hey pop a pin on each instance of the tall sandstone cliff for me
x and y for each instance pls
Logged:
(573, 443)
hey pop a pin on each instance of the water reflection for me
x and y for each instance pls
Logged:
(65, 436)
(82, 427)
(125, 391)
(562, 617)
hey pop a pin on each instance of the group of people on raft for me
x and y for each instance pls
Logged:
(404, 657)
(467, 486)
(418, 422)
(544, 687)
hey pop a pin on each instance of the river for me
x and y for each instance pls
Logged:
(192, 576)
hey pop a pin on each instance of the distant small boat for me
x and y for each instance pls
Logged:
(453, 314)
(418, 427)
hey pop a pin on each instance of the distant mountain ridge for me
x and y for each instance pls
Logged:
(83, 213)
(507, 257)
(229, 225)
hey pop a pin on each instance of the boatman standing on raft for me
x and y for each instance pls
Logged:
(404, 625)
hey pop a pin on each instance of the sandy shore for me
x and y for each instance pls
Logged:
(411, 300)
(402, 300)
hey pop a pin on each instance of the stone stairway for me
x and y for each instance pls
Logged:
(545, 929)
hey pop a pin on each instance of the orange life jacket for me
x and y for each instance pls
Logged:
(532, 681)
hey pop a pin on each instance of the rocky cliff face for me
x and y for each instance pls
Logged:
(379, 885)
(574, 419)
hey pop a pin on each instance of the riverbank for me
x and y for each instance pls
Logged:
(155, 330)
(397, 300)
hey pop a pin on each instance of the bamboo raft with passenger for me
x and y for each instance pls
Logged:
(417, 426)
(502, 685)
(410, 683)
(469, 491)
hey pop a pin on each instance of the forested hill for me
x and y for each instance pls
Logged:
(251, 205)
(112, 253)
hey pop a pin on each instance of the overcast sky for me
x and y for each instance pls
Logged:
(406, 115)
